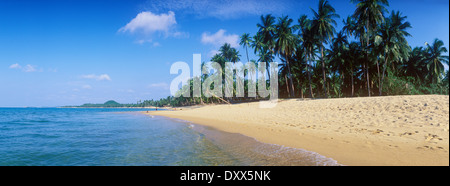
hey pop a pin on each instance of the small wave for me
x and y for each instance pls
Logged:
(295, 155)
(259, 153)
(41, 136)
(27, 121)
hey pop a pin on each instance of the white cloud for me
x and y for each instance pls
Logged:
(212, 53)
(97, 77)
(148, 23)
(29, 68)
(156, 44)
(223, 9)
(142, 41)
(16, 65)
(220, 38)
(86, 87)
(104, 77)
(26, 68)
(52, 70)
(161, 85)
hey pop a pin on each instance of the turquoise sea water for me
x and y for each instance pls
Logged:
(100, 136)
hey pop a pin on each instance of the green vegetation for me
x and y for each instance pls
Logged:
(369, 56)
(108, 104)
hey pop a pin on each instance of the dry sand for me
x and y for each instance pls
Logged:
(391, 130)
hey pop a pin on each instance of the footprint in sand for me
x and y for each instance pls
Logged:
(431, 148)
(406, 134)
(378, 131)
(431, 137)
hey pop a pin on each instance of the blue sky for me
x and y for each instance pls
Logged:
(67, 52)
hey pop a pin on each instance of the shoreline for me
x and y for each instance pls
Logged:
(390, 130)
(249, 148)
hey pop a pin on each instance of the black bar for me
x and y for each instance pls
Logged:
(273, 175)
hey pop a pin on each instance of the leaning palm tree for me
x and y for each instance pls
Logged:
(285, 44)
(368, 15)
(323, 26)
(435, 60)
(245, 42)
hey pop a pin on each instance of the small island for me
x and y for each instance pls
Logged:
(114, 104)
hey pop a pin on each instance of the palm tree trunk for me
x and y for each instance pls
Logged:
(367, 57)
(379, 78)
(384, 71)
(301, 90)
(287, 84)
(246, 49)
(368, 79)
(342, 85)
(309, 79)
(290, 77)
(268, 64)
(353, 84)
(323, 72)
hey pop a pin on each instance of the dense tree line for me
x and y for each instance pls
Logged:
(370, 56)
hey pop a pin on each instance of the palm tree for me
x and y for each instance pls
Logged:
(393, 46)
(257, 43)
(350, 26)
(353, 55)
(267, 30)
(265, 36)
(252, 71)
(337, 55)
(435, 60)
(368, 15)
(229, 54)
(445, 80)
(285, 43)
(323, 27)
(299, 67)
(309, 41)
(282, 70)
(245, 42)
(416, 65)
(262, 51)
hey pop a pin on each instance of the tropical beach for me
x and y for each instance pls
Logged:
(391, 130)
(224, 82)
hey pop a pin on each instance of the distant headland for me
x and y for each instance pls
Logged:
(113, 104)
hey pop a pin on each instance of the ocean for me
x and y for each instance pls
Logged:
(126, 137)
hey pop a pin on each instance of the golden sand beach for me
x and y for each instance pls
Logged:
(390, 130)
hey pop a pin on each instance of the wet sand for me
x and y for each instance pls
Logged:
(390, 130)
